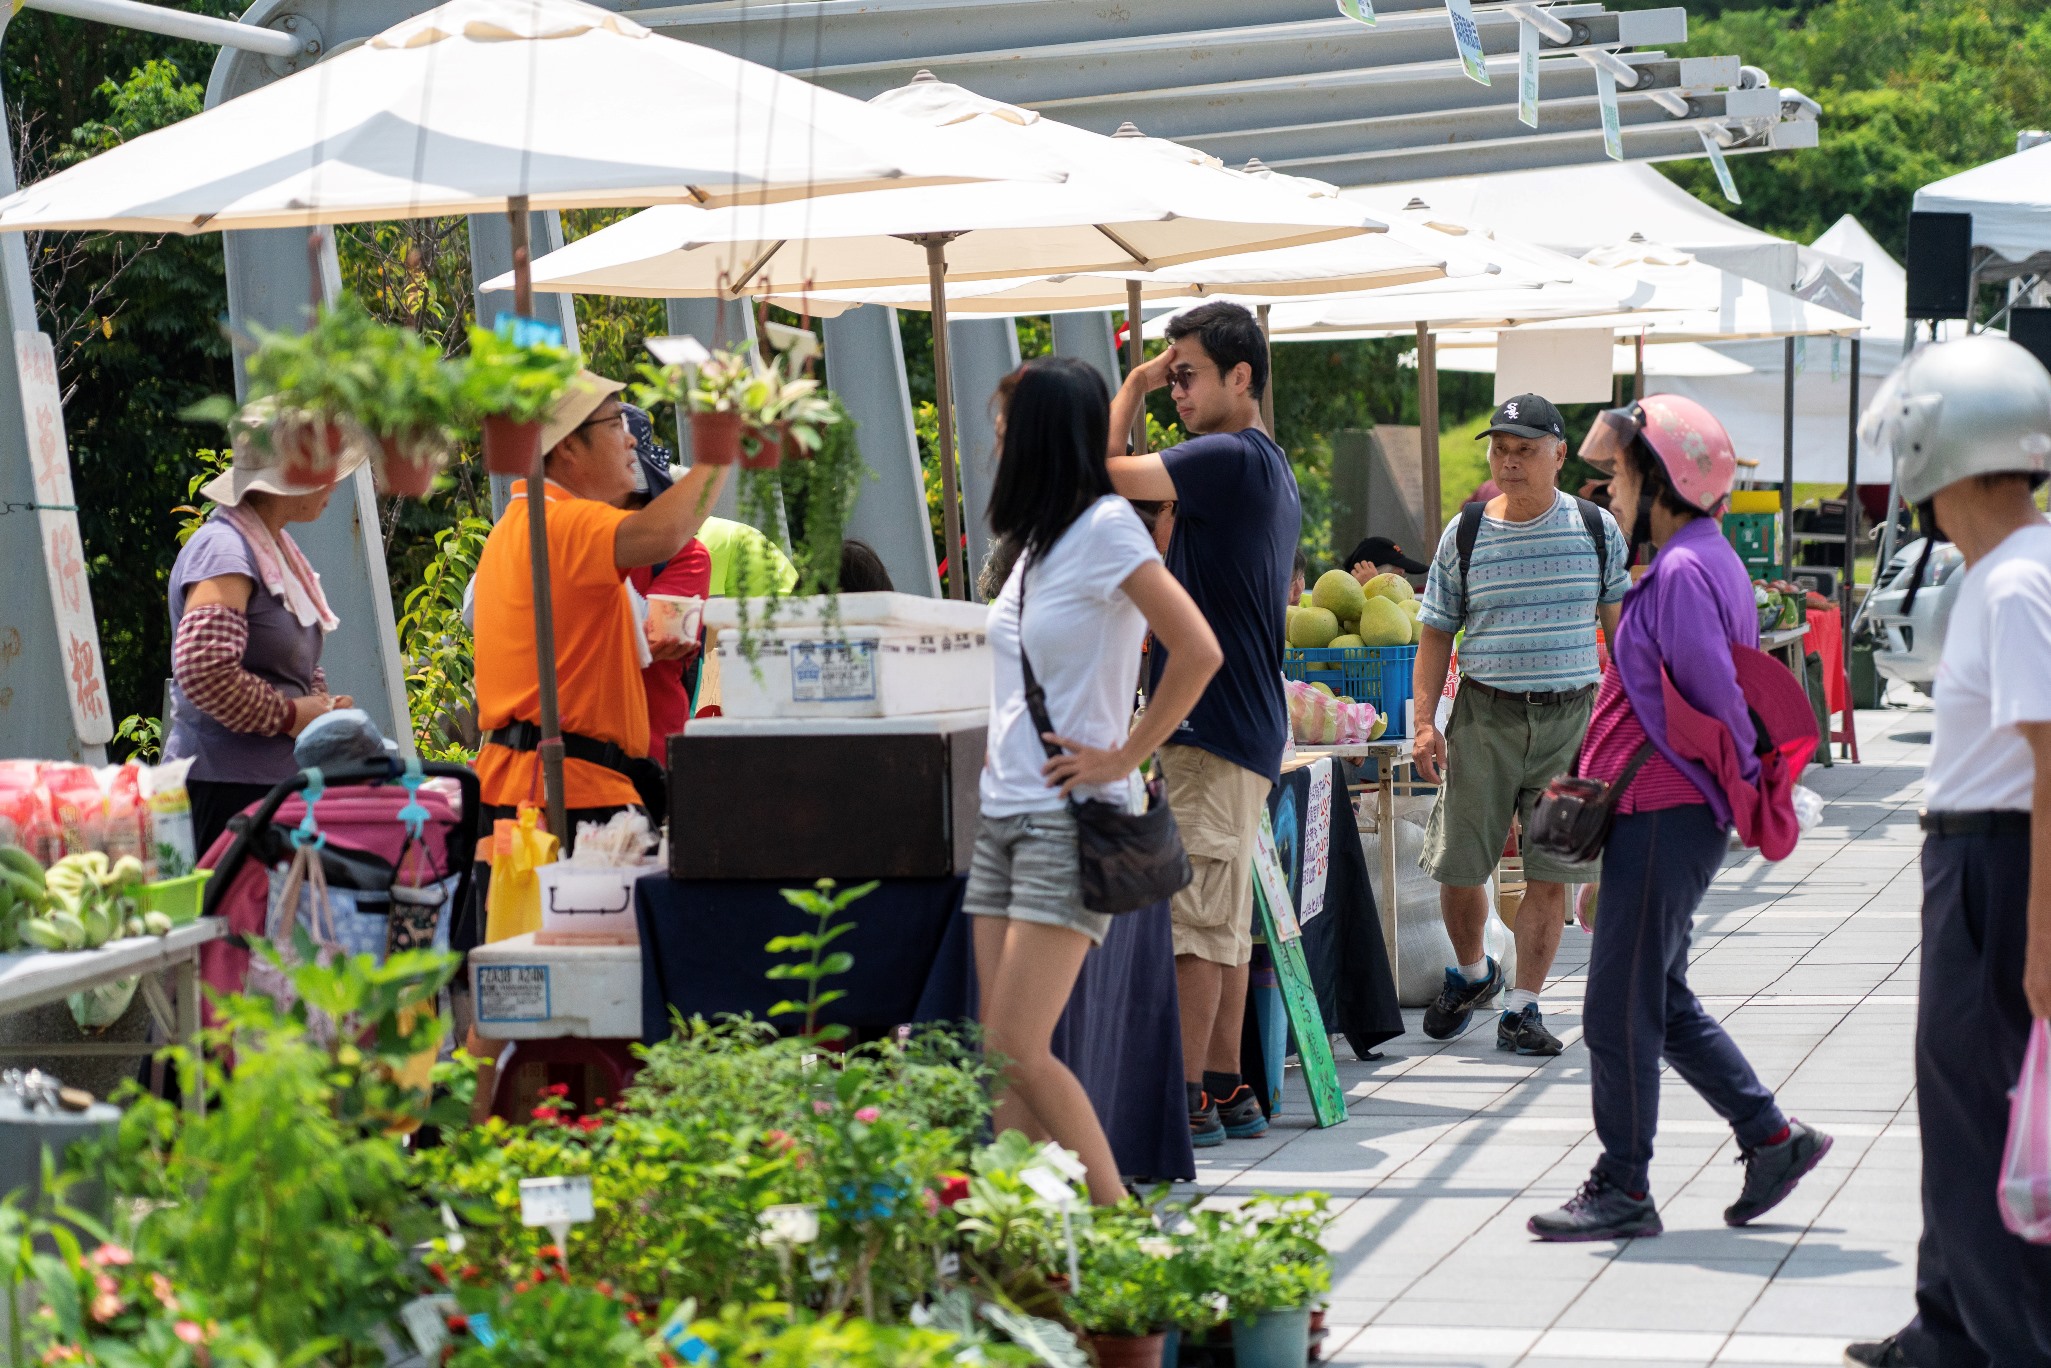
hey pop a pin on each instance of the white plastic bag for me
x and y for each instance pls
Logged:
(2025, 1193)
(1808, 807)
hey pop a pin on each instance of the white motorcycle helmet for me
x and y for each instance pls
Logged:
(1978, 406)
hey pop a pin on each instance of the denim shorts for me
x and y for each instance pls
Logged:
(1026, 867)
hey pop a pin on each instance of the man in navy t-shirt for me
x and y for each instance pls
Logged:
(1237, 522)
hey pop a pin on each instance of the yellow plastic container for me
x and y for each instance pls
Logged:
(179, 899)
(1754, 501)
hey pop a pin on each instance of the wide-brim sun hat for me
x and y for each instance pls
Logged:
(578, 402)
(254, 468)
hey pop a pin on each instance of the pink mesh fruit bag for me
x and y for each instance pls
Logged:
(2025, 1195)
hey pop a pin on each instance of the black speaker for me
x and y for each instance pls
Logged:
(1940, 265)
(2032, 328)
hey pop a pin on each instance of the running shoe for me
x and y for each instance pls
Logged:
(1525, 1033)
(1599, 1211)
(1453, 1010)
(1886, 1353)
(1771, 1171)
(1205, 1130)
(1241, 1114)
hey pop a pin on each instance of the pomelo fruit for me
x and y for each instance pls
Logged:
(1345, 640)
(1313, 628)
(1321, 687)
(1381, 724)
(1340, 593)
(1382, 623)
(1305, 601)
(1416, 629)
(1391, 586)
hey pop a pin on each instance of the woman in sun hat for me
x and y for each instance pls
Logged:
(1677, 690)
(248, 622)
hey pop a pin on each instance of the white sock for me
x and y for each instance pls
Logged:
(1475, 972)
(1519, 999)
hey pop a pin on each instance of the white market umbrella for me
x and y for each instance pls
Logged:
(1126, 202)
(461, 110)
(1664, 361)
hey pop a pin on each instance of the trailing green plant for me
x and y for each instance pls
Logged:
(440, 671)
(517, 381)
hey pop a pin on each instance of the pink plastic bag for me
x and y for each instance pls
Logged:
(2025, 1196)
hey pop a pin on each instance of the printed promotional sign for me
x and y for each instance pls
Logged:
(1721, 164)
(71, 598)
(1527, 74)
(1612, 125)
(1468, 38)
(1361, 11)
(1317, 843)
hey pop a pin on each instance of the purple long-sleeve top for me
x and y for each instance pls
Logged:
(1685, 614)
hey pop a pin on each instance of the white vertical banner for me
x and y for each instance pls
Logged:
(1527, 73)
(1722, 165)
(1317, 842)
(1360, 11)
(71, 597)
(1467, 37)
(1612, 124)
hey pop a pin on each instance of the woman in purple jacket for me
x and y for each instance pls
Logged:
(1673, 471)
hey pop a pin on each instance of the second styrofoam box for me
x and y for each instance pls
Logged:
(587, 906)
(888, 655)
(525, 991)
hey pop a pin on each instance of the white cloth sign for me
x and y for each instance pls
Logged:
(1317, 842)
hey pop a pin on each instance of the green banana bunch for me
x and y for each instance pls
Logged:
(84, 901)
(22, 894)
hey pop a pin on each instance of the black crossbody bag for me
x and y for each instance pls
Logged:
(1128, 861)
(1572, 820)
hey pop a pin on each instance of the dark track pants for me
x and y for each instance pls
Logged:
(1639, 1007)
(1983, 1297)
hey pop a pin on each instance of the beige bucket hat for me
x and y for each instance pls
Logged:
(255, 467)
(579, 402)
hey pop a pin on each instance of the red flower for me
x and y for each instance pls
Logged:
(953, 1188)
(544, 1112)
(588, 1124)
(556, 1090)
(549, 1251)
(778, 1140)
(868, 1116)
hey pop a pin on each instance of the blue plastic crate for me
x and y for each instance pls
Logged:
(1368, 674)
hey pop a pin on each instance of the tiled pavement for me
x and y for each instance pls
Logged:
(1811, 964)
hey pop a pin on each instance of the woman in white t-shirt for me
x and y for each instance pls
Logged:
(1087, 587)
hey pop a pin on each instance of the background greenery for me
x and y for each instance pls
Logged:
(1911, 89)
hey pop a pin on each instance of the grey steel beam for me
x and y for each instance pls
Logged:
(985, 350)
(865, 367)
(1086, 336)
(179, 24)
(1675, 141)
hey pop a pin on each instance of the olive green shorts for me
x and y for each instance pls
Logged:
(1500, 755)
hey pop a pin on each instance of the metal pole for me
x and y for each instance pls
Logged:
(943, 404)
(1787, 447)
(1135, 357)
(551, 748)
(1851, 538)
(176, 24)
(1428, 430)
(1638, 376)
(1268, 390)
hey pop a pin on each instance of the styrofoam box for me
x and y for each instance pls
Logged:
(589, 905)
(525, 991)
(888, 656)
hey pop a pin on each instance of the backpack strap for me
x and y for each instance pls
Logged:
(1464, 539)
(1591, 518)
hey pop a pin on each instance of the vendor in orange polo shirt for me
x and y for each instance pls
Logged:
(592, 545)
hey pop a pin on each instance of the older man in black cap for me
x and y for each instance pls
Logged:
(1380, 556)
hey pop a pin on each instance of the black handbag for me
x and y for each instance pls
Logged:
(1128, 861)
(1573, 817)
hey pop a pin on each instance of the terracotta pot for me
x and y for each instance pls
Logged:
(1317, 1334)
(308, 449)
(407, 466)
(510, 448)
(791, 450)
(1126, 1351)
(716, 438)
(762, 447)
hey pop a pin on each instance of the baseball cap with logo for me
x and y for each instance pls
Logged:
(1527, 415)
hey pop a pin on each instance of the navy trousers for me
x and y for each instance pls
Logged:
(1983, 1296)
(1639, 1007)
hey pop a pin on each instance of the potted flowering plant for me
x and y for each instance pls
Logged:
(1128, 1294)
(509, 387)
(1269, 1262)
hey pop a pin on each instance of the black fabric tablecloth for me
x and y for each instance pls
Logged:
(1342, 932)
(702, 954)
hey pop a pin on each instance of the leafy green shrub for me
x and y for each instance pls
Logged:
(552, 1323)
(768, 1336)
(510, 380)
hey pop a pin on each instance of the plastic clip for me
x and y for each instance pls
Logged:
(308, 832)
(413, 816)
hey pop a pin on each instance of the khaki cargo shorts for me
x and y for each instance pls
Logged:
(1218, 811)
(1500, 755)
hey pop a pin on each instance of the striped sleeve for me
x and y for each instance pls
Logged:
(1445, 597)
(206, 660)
(1617, 582)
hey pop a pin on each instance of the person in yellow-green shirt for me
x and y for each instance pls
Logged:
(745, 563)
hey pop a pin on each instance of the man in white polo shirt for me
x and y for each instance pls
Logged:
(1969, 423)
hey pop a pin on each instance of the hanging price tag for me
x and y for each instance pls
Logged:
(1721, 164)
(1360, 11)
(1467, 37)
(1612, 123)
(555, 1201)
(1527, 74)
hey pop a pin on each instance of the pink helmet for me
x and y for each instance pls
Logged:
(1691, 446)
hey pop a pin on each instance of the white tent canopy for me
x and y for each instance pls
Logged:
(2010, 201)
(457, 110)
(1575, 209)
(1663, 360)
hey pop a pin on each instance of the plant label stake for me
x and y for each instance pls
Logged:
(1527, 73)
(557, 1204)
(1359, 11)
(785, 1227)
(1612, 123)
(1720, 164)
(1054, 1189)
(1467, 37)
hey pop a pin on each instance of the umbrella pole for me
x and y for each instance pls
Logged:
(1267, 390)
(551, 748)
(1787, 449)
(1428, 430)
(1135, 357)
(1638, 374)
(1851, 542)
(943, 405)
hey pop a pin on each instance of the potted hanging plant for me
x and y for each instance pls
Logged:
(509, 388)
(404, 394)
(303, 390)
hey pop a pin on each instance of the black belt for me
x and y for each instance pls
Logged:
(1535, 700)
(644, 774)
(2002, 823)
